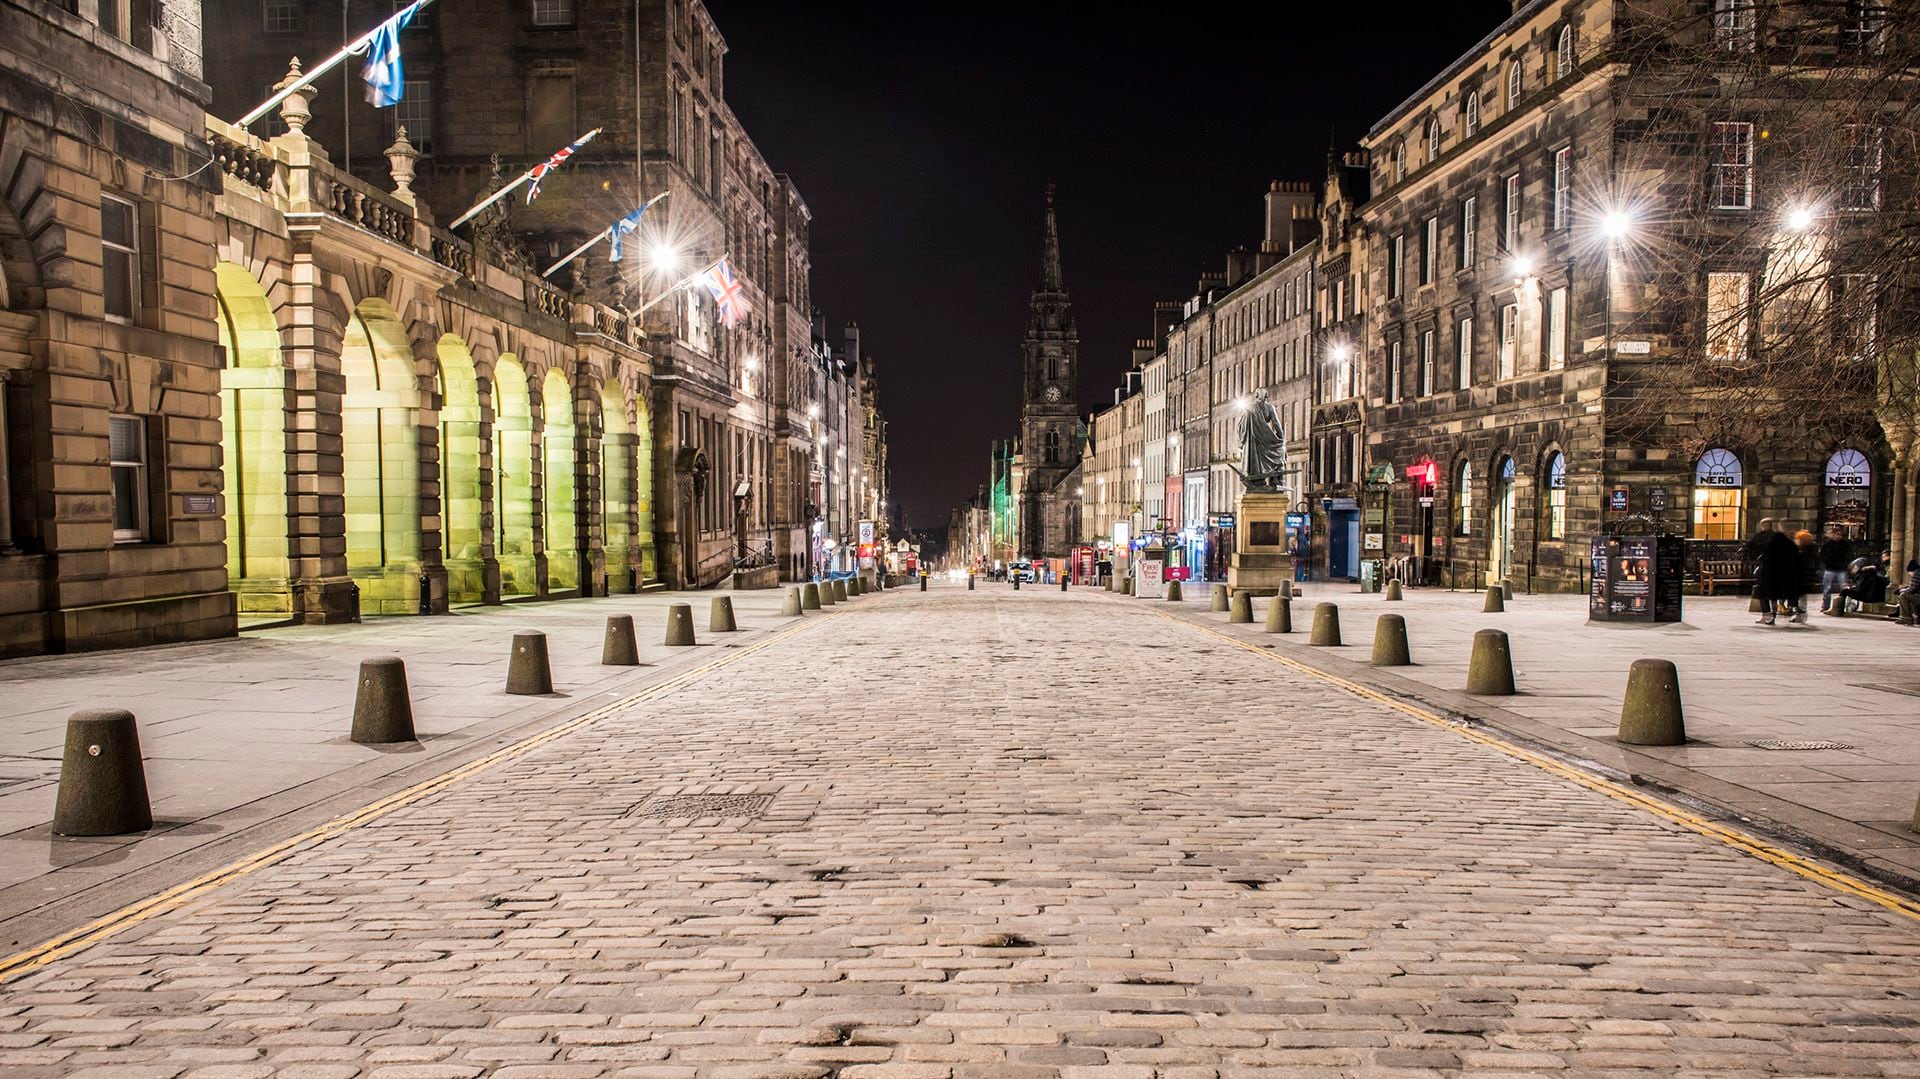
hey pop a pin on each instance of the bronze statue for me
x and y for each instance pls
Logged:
(1263, 447)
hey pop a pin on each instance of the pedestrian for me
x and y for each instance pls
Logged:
(1868, 586)
(1776, 570)
(1835, 553)
(1910, 595)
(1807, 551)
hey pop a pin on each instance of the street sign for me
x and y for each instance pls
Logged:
(866, 533)
(1657, 499)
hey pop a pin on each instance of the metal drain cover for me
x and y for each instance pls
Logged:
(703, 805)
(1798, 743)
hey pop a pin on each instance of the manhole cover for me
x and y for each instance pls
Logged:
(703, 805)
(1798, 743)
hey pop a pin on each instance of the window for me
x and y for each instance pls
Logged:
(1556, 500)
(1556, 329)
(1860, 175)
(1731, 172)
(1469, 224)
(1433, 140)
(1470, 116)
(550, 110)
(119, 257)
(1463, 374)
(1515, 83)
(422, 19)
(1510, 235)
(1426, 363)
(1563, 53)
(1053, 446)
(1396, 265)
(280, 16)
(1509, 339)
(1463, 499)
(1562, 187)
(1399, 161)
(1430, 252)
(1865, 27)
(1733, 25)
(127, 457)
(414, 111)
(1844, 497)
(1729, 326)
(1393, 371)
(1855, 315)
(553, 12)
(1719, 495)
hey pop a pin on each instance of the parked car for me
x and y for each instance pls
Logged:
(1022, 570)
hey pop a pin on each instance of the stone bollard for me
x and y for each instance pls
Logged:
(1133, 586)
(923, 583)
(1240, 608)
(382, 712)
(827, 597)
(1173, 592)
(1280, 615)
(1326, 626)
(103, 782)
(680, 625)
(859, 586)
(1109, 583)
(1217, 598)
(1393, 590)
(1390, 642)
(621, 648)
(720, 615)
(1490, 668)
(1496, 600)
(810, 596)
(840, 589)
(527, 671)
(792, 607)
(1650, 714)
(1506, 591)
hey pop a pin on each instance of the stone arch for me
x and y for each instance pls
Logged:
(380, 458)
(462, 522)
(559, 481)
(513, 511)
(253, 444)
(1503, 513)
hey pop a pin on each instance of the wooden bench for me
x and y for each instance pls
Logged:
(1727, 571)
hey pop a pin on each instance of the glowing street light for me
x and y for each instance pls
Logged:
(1800, 218)
(1522, 267)
(1617, 225)
(665, 258)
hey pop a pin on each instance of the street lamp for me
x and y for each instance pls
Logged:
(665, 258)
(1800, 218)
(1617, 224)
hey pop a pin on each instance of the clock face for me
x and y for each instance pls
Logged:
(1053, 395)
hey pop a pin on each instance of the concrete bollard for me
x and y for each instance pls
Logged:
(1063, 584)
(621, 648)
(1280, 615)
(859, 586)
(1240, 609)
(680, 625)
(1173, 592)
(527, 671)
(1496, 600)
(1390, 642)
(382, 712)
(1217, 598)
(1490, 668)
(840, 589)
(1109, 583)
(810, 596)
(1650, 713)
(923, 583)
(103, 781)
(1506, 591)
(1326, 626)
(720, 615)
(1393, 590)
(827, 598)
(1133, 587)
(792, 607)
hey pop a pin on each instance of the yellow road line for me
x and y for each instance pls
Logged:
(1738, 840)
(133, 914)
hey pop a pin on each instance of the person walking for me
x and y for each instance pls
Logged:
(1835, 553)
(1807, 553)
(1776, 569)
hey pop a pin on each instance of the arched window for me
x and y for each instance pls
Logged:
(1463, 499)
(1399, 161)
(1847, 492)
(1563, 53)
(1554, 506)
(1719, 495)
(1515, 83)
(1470, 116)
(1053, 446)
(1433, 140)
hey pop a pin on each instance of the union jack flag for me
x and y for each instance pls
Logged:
(729, 295)
(540, 171)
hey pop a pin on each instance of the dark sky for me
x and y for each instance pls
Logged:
(922, 137)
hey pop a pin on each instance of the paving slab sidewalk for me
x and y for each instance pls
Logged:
(1853, 680)
(241, 732)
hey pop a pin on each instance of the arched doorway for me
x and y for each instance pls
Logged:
(1500, 530)
(461, 536)
(513, 478)
(616, 489)
(380, 451)
(558, 487)
(253, 445)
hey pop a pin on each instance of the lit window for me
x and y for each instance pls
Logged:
(1563, 53)
(1464, 373)
(1844, 501)
(1865, 26)
(1733, 25)
(1470, 116)
(1556, 502)
(1515, 82)
(1510, 236)
(1556, 329)
(1430, 252)
(553, 12)
(1393, 371)
(1469, 225)
(1509, 339)
(1728, 317)
(1562, 186)
(1463, 499)
(119, 257)
(1860, 176)
(414, 111)
(1396, 265)
(1732, 166)
(280, 16)
(1719, 495)
(127, 457)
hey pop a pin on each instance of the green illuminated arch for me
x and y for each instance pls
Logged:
(253, 444)
(380, 451)
(513, 477)
(557, 487)
(461, 536)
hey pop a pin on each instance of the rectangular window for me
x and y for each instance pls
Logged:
(280, 16)
(1464, 373)
(1731, 173)
(1396, 266)
(553, 12)
(1855, 316)
(1860, 176)
(1729, 323)
(119, 257)
(1430, 252)
(1510, 236)
(550, 111)
(1562, 186)
(415, 113)
(1426, 363)
(1733, 25)
(1509, 339)
(127, 457)
(1393, 371)
(1469, 224)
(1865, 27)
(1556, 329)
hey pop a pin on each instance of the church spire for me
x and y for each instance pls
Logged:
(1050, 258)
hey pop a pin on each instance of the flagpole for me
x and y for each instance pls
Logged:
(521, 179)
(601, 235)
(359, 46)
(678, 285)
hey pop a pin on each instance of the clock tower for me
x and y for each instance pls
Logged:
(1049, 410)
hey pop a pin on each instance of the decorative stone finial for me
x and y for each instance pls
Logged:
(296, 110)
(400, 158)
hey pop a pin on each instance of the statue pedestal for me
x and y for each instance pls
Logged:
(1261, 564)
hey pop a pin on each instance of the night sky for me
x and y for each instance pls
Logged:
(923, 137)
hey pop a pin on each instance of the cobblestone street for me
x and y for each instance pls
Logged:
(994, 834)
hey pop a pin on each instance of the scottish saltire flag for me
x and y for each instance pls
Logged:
(386, 81)
(729, 295)
(540, 171)
(627, 224)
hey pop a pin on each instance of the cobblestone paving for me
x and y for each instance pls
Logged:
(998, 835)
